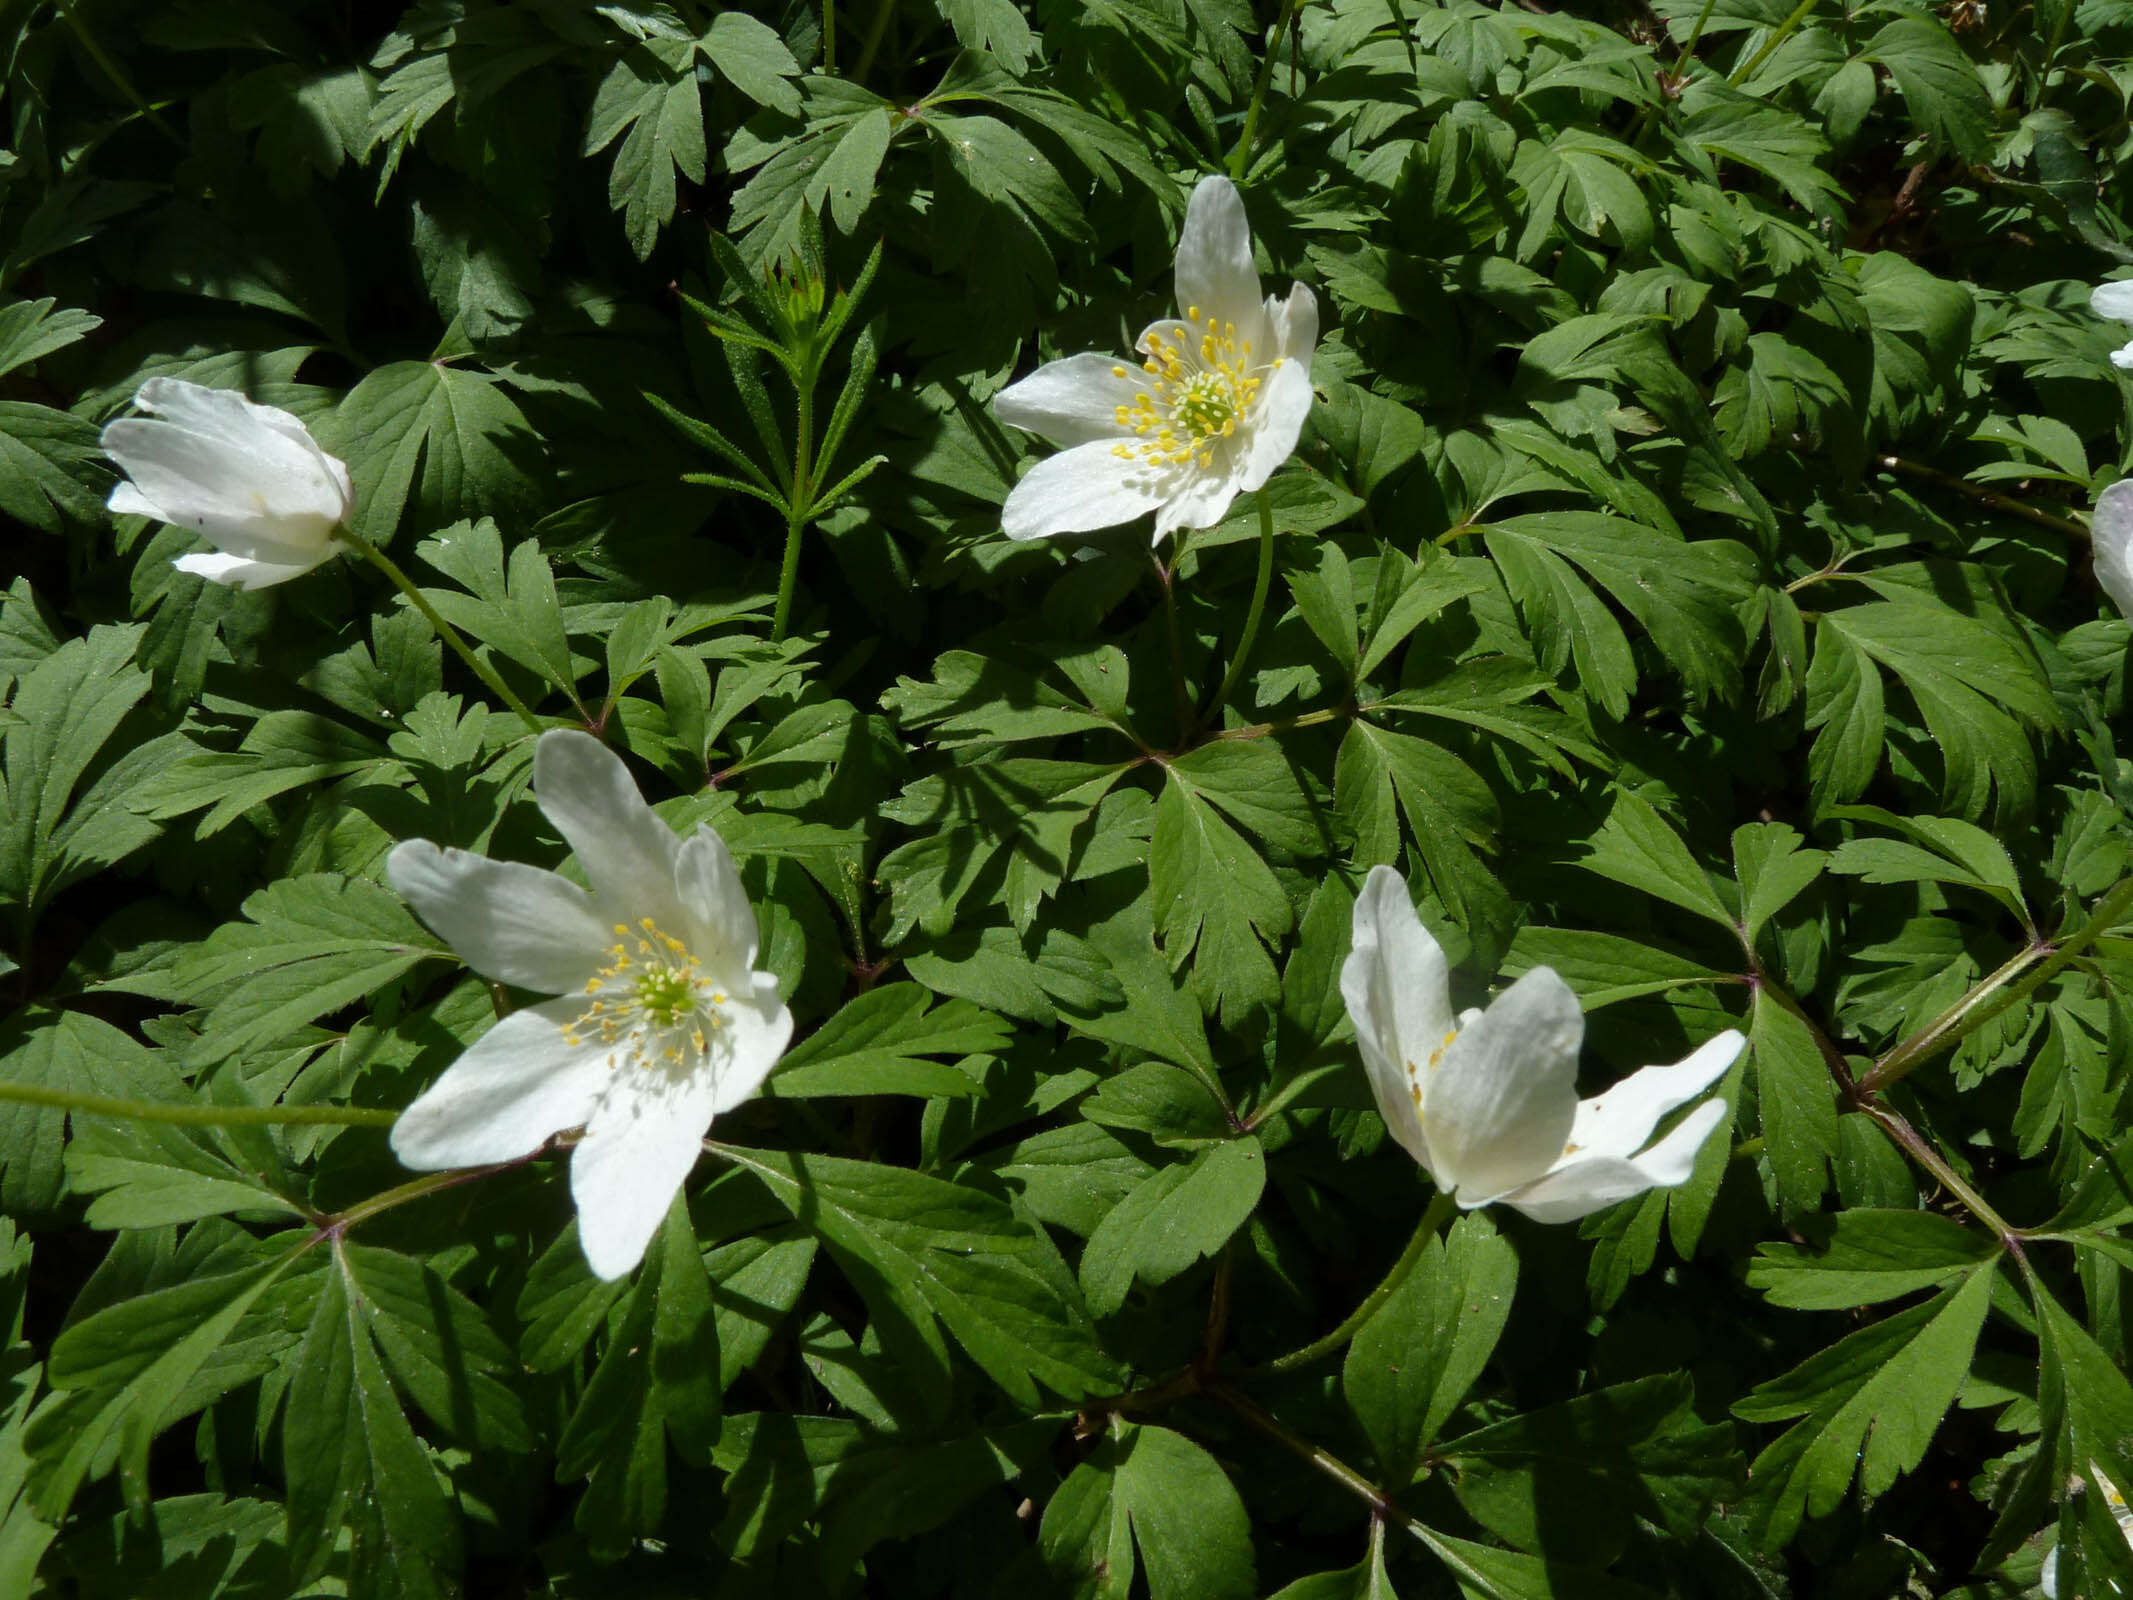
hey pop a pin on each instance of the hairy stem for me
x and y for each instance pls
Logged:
(1441, 1206)
(800, 505)
(1920, 1149)
(445, 631)
(1260, 582)
(1181, 700)
(432, 1183)
(1240, 158)
(193, 1115)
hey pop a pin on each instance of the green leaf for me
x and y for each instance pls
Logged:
(1773, 871)
(1414, 1360)
(927, 1253)
(876, 1045)
(1605, 969)
(1153, 1490)
(350, 1457)
(459, 430)
(70, 1052)
(1797, 1102)
(651, 95)
(1635, 847)
(1218, 904)
(1870, 1405)
(1860, 1257)
(510, 607)
(1183, 1212)
(1938, 83)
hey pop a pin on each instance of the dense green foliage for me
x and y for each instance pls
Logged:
(1682, 577)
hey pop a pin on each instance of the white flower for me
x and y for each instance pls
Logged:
(662, 1024)
(250, 478)
(2111, 541)
(2115, 300)
(1212, 409)
(1487, 1102)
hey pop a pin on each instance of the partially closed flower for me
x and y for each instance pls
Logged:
(2111, 542)
(1213, 406)
(2115, 300)
(1487, 1101)
(248, 478)
(662, 1021)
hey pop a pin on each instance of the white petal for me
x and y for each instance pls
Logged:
(128, 501)
(519, 1083)
(1215, 271)
(2122, 358)
(511, 922)
(1079, 490)
(1618, 1122)
(1277, 421)
(1582, 1186)
(1500, 1108)
(628, 854)
(1295, 323)
(1203, 499)
(2113, 300)
(646, 1132)
(1394, 985)
(2111, 543)
(1073, 401)
(235, 572)
(721, 928)
(267, 499)
(227, 415)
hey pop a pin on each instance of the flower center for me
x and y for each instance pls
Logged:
(1436, 1060)
(655, 1005)
(1197, 393)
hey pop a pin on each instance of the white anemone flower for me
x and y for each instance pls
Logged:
(2115, 300)
(2111, 541)
(1487, 1101)
(248, 478)
(1212, 408)
(662, 1021)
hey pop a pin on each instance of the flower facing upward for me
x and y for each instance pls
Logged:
(1487, 1102)
(248, 478)
(662, 1022)
(1211, 409)
(2115, 300)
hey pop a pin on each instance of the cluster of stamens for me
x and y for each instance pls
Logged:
(1436, 1060)
(652, 999)
(1197, 394)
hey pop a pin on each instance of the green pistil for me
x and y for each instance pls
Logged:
(666, 995)
(1204, 405)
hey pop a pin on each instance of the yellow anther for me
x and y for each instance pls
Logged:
(1118, 372)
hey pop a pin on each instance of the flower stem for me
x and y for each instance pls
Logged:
(1241, 157)
(1746, 70)
(1331, 1465)
(193, 1115)
(1997, 991)
(1181, 701)
(1441, 1206)
(429, 1184)
(799, 505)
(1251, 616)
(1985, 497)
(95, 51)
(445, 631)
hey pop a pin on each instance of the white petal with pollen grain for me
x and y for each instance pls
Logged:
(517, 1085)
(1501, 1106)
(1073, 401)
(1080, 490)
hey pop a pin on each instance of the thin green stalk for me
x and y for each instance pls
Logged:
(1673, 75)
(1986, 497)
(829, 37)
(1920, 1149)
(112, 70)
(1441, 1207)
(1744, 72)
(1325, 1461)
(1181, 701)
(883, 10)
(432, 1183)
(192, 1114)
(1251, 616)
(800, 504)
(445, 631)
(1241, 157)
(1996, 992)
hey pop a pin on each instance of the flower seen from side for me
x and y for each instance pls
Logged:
(661, 1021)
(1487, 1101)
(2111, 543)
(248, 478)
(1214, 404)
(2115, 301)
